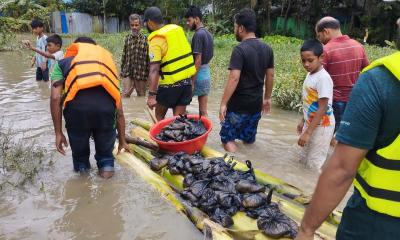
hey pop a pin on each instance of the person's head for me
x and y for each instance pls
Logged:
(135, 23)
(327, 28)
(245, 23)
(398, 34)
(85, 40)
(193, 17)
(153, 18)
(37, 27)
(311, 55)
(54, 43)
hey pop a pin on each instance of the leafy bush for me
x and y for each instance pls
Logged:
(8, 27)
(42, 14)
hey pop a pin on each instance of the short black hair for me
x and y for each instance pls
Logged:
(314, 46)
(85, 40)
(246, 18)
(154, 14)
(328, 23)
(193, 12)
(56, 39)
(36, 23)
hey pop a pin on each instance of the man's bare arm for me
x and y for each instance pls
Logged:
(197, 64)
(154, 76)
(269, 83)
(333, 183)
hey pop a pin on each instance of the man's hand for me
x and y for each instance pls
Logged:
(222, 112)
(267, 106)
(61, 142)
(304, 139)
(300, 127)
(27, 44)
(304, 235)
(151, 102)
(43, 66)
(33, 62)
(123, 145)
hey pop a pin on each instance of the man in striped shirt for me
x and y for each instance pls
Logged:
(344, 58)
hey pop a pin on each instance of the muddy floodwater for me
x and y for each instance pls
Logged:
(70, 206)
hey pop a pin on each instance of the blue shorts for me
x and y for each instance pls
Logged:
(203, 81)
(240, 126)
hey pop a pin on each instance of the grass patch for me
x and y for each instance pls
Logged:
(20, 160)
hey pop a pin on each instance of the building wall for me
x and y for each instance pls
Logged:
(82, 23)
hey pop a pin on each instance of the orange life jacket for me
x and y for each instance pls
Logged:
(92, 66)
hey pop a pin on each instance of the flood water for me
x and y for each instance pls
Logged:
(71, 206)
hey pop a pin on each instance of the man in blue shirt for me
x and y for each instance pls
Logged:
(203, 51)
(42, 70)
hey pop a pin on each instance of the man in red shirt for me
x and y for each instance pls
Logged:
(344, 58)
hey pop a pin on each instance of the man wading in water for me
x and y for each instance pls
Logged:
(344, 58)
(202, 46)
(171, 65)
(135, 60)
(242, 104)
(368, 155)
(85, 83)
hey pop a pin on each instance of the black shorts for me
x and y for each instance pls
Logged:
(171, 97)
(42, 75)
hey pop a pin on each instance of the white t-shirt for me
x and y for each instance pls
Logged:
(58, 56)
(41, 44)
(318, 85)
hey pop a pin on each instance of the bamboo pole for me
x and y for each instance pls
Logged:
(142, 123)
(141, 142)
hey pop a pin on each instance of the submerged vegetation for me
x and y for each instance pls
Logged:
(20, 161)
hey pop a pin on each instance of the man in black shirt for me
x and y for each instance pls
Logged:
(243, 103)
(203, 50)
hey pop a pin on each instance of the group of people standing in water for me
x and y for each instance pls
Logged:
(348, 103)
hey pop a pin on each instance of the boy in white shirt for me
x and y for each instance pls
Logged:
(317, 125)
(54, 52)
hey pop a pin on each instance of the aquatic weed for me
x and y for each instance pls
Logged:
(21, 160)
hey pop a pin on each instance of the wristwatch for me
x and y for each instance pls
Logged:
(152, 93)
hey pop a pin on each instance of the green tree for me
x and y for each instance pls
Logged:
(92, 7)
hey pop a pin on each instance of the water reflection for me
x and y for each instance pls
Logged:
(90, 209)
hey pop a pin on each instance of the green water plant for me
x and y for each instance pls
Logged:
(20, 159)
